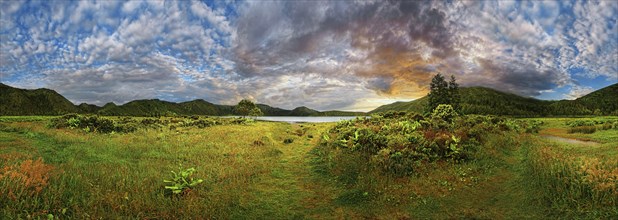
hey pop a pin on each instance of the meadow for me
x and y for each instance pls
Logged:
(389, 166)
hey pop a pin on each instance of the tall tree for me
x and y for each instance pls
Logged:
(438, 93)
(442, 92)
(246, 107)
(455, 98)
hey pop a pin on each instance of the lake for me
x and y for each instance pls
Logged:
(312, 119)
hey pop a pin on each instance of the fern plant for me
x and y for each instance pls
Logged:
(182, 181)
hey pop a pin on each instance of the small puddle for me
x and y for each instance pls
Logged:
(570, 141)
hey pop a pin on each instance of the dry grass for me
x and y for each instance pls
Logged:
(28, 178)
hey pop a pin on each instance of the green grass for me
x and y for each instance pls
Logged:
(249, 173)
(579, 180)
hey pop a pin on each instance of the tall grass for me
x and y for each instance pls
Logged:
(121, 175)
(573, 186)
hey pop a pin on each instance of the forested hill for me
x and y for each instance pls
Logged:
(14, 101)
(605, 100)
(480, 100)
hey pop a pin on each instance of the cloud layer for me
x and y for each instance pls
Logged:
(351, 55)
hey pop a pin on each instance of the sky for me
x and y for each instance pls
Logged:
(325, 55)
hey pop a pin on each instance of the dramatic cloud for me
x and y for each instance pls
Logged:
(353, 55)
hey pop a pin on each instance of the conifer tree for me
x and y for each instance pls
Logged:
(438, 93)
(442, 92)
(455, 98)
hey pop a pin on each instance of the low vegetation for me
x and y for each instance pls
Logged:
(401, 144)
(390, 166)
(95, 123)
(182, 181)
(574, 184)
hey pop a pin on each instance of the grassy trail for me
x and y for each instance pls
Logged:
(501, 193)
(291, 190)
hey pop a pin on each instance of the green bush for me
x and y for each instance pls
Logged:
(90, 123)
(399, 143)
(582, 129)
(201, 123)
(579, 123)
(444, 112)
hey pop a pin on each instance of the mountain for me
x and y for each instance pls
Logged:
(605, 100)
(14, 101)
(411, 106)
(304, 111)
(474, 100)
(86, 108)
(481, 100)
(155, 107)
(273, 111)
(201, 107)
(149, 107)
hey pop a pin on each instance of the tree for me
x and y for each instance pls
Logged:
(256, 112)
(442, 92)
(438, 93)
(246, 107)
(453, 89)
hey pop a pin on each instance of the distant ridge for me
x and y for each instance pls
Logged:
(481, 100)
(475, 100)
(15, 101)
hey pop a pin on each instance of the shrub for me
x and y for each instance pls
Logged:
(579, 123)
(242, 121)
(399, 143)
(258, 143)
(582, 129)
(182, 181)
(201, 123)
(91, 124)
(151, 121)
(126, 128)
(444, 112)
(368, 141)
